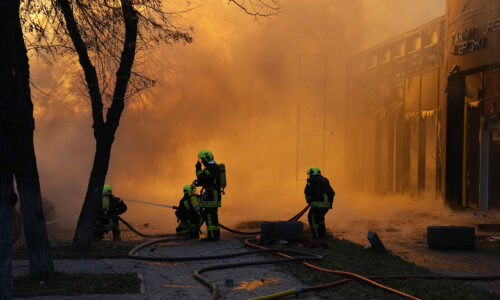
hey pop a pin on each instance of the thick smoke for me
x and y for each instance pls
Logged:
(233, 91)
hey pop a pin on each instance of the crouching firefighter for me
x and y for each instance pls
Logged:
(319, 194)
(212, 178)
(107, 219)
(189, 213)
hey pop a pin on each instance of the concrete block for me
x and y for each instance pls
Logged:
(451, 237)
(290, 231)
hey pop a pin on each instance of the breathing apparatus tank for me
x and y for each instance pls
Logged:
(222, 177)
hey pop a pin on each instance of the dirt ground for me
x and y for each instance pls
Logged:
(405, 233)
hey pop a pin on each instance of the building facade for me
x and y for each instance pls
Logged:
(472, 109)
(393, 95)
(422, 109)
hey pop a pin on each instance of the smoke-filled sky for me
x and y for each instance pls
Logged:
(235, 90)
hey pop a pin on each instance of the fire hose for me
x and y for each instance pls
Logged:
(347, 280)
(293, 219)
(302, 258)
(280, 252)
(143, 234)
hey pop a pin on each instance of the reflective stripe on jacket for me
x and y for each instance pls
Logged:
(325, 203)
(210, 203)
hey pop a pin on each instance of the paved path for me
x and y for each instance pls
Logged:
(175, 280)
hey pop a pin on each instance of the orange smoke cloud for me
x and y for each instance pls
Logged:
(233, 91)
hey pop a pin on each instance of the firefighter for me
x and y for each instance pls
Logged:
(319, 194)
(208, 178)
(108, 216)
(189, 213)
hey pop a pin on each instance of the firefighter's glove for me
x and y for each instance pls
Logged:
(198, 211)
(198, 166)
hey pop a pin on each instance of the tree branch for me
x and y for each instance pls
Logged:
(126, 63)
(271, 9)
(88, 68)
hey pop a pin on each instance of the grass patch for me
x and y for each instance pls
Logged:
(76, 284)
(98, 250)
(347, 256)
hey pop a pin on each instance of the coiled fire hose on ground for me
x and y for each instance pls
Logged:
(401, 277)
(302, 258)
(315, 288)
(280, 252)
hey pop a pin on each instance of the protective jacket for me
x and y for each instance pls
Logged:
(188, 217)
(207, 178)
(319, 192)
(187, 204)
(210, 197)
(111, 207)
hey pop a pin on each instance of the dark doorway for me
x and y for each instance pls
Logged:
(473, 155)
(454, 138)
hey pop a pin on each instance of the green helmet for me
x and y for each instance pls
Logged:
(206, 155)
(314, 171)
(106, 190)
(189, 188)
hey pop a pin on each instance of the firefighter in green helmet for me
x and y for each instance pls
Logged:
(319, 194)
(207, 176)
(107, 219)
(189, 213)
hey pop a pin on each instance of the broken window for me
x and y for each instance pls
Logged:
(474, 86)
(430, 90)
(412, 94)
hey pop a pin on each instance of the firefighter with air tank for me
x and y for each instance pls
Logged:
(111, 208)
(319, 194)
(189, 213)
(212, 178)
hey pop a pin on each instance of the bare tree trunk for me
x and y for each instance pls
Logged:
(27, 180)
(7, 196)
(104, 132)
(90, 209)
(17, 130)
(7, 202)
(25, 168)
(6, 176)
(92, 204)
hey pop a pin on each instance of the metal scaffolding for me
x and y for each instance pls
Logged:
(311, 113)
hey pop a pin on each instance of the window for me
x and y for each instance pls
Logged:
(430, 90)
(398, 49)
(372, 61)
(492, 92)
(384, 56)
(474, 86)
(430, 36)
(412, 94)
(492, 84)
(414, 43)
